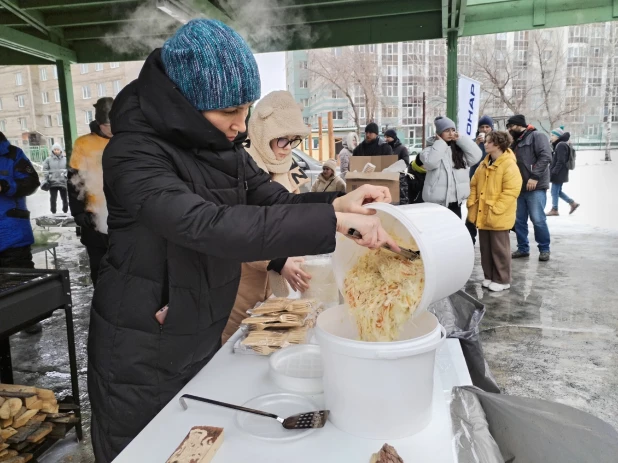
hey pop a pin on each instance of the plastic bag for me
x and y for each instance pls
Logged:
(522, 430)
(460, 314)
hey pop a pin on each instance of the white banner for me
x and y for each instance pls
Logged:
(468, 103)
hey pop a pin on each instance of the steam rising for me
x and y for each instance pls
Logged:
(265, 24)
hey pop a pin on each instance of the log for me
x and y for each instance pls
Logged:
(5, 410)
(64, 420)
(23, 433)
(23, 419)
(9, 454)
(16, 394)
(43, 430)
(45, 394)
(17, 459)
(6, 423)
(2, 400)
(49, 407)
(27, 457)
(17, 388)
(4, 446)
(7, 432)
(21, 411)
(52, 416)
(31, 402)
(15, 405)
(39, 418)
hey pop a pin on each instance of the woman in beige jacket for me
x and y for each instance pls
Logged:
(276, 127)
(328, 181)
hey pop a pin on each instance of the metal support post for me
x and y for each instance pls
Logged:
(67, 105)
(451, 75)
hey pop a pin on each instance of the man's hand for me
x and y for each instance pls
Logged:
(372, 234)
(294, 274)
(531, 186)
(353, 202)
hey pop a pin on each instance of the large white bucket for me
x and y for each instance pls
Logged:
(442, 238)
(378, 390)
(384, 390)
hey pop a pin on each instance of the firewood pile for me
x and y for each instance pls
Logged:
(29, 416)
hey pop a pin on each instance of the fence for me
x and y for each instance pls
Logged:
(37, 154)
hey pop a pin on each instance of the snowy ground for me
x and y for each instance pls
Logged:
(552, 336)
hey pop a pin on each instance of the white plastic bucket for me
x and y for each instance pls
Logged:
(378, 390)
(384, 390)
(442, 238)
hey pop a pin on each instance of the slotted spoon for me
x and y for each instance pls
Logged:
(316, 419)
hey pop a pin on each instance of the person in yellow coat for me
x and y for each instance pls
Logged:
(492, 205)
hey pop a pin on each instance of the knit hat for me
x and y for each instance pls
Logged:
(331, 164)
(56, 146)
(102, 108)
(558, 132)
(443, 123)
(486, 120)
(390, 133)
(274, 116)
(518, 119)
(212, 65)
(372, 127)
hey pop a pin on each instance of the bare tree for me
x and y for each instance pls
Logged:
(550, 58)
(493, 65)
(355, 74)
(609, 90)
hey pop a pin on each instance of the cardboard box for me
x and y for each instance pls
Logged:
(388, 179)
(381, 162)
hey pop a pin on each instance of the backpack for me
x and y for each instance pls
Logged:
(572, 156)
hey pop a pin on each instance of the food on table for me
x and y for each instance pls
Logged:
(383, 291)
(278, 323)
(199, 446)
(387, 454)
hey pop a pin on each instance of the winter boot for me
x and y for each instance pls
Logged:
(552, 212)
(544, 257)
(519, 254)
(574, 207)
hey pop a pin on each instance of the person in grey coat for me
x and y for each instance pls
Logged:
(55, 169)
(533, 153)
(447, 159)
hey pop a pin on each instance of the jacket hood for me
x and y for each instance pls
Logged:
(508, 154)
(431, 140)
(566, 136)
(57, 146)
(152, 104)
(350, 141)
(276, 115)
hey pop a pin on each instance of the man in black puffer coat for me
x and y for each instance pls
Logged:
(372, 145)
(186, 206)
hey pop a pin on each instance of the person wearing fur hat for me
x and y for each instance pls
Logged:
(55, 170)
(328, 180)
(349, 142)
(275, 128)
(187, 205)
(447, 160)
(372, 145)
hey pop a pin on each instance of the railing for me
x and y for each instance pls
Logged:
(37, 154)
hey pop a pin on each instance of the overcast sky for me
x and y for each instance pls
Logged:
(272, 71)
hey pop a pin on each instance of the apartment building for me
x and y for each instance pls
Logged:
(554, 76)
(30, 98)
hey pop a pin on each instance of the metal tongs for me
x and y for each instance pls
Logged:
(404, 252)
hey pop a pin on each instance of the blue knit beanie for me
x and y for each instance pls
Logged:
(212, 65)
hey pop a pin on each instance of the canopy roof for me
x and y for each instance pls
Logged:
(40, 31)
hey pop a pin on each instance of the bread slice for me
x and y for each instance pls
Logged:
(387, 454)
(199, 446)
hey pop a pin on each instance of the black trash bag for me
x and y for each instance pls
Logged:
(497, 428)
(460, 314)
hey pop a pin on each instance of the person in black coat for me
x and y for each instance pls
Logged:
(402, 155)
(187, 205)
(559, 170)
(372, 145)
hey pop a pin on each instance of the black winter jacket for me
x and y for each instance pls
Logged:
(401, 151)
(559, 167)
(375, 147)
(186, 207)
(533, 153)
